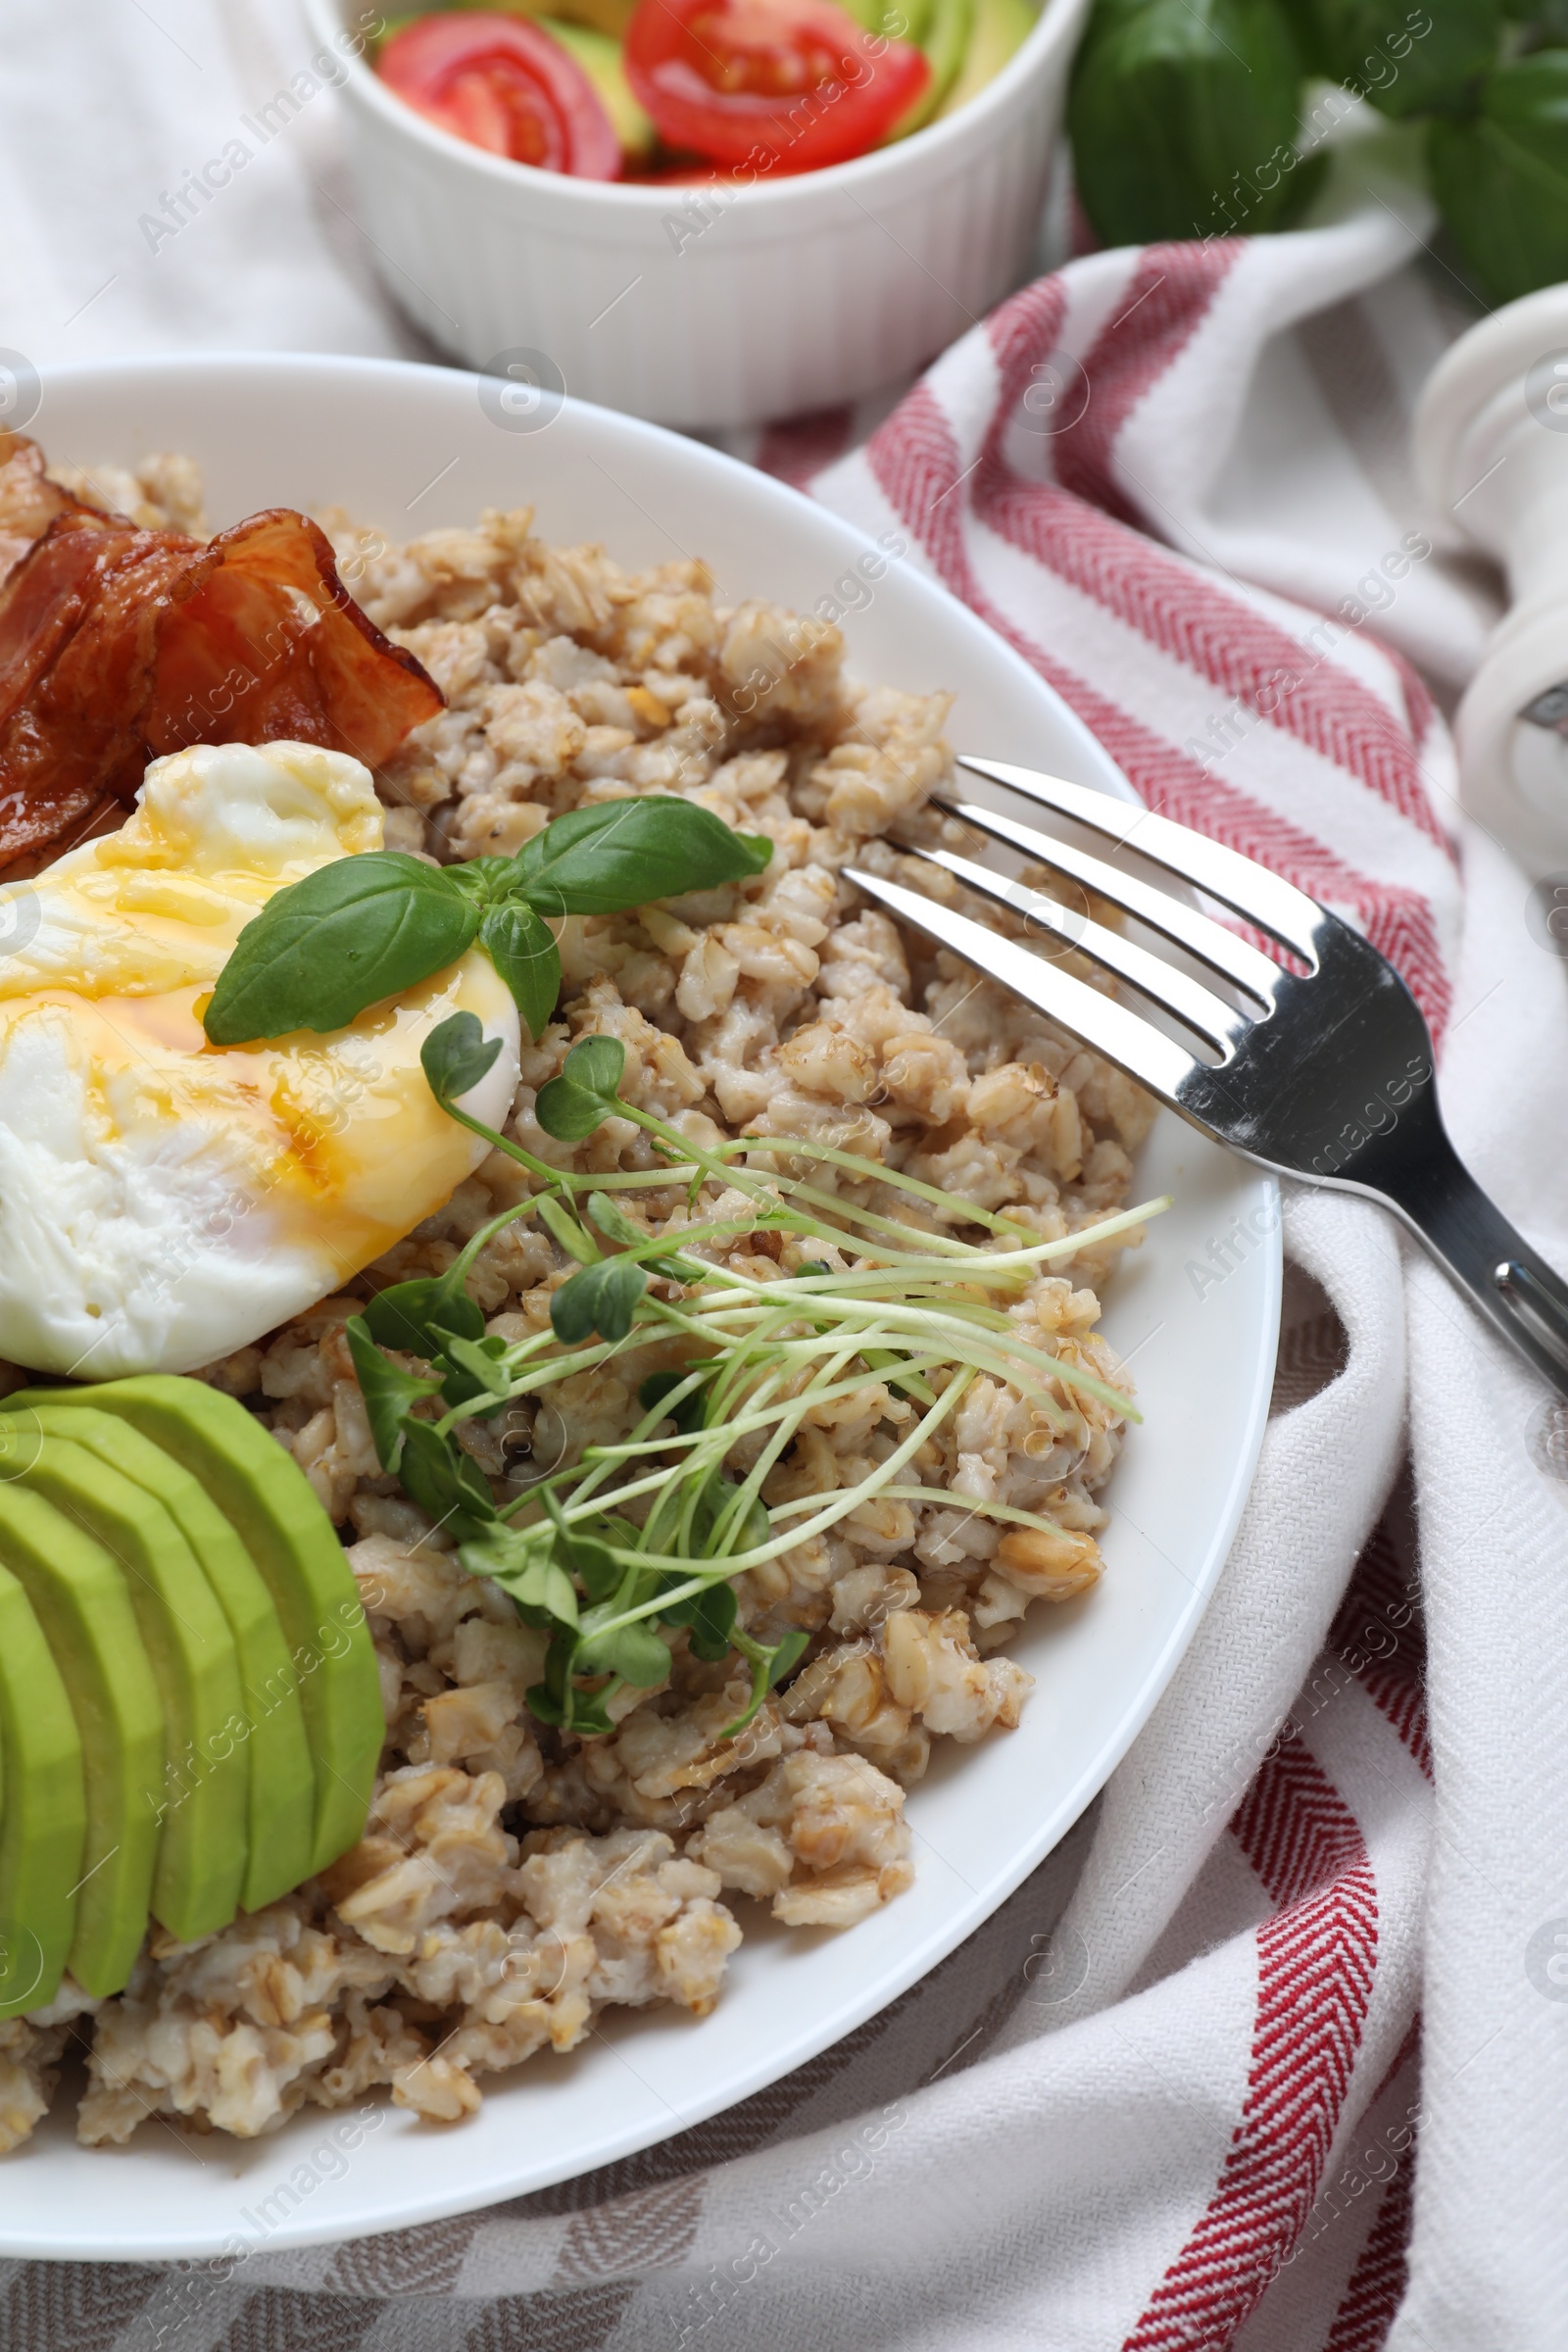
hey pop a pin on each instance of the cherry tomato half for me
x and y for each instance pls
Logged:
(504, 85)
(784, 85)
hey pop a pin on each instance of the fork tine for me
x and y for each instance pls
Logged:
(1210, 942)
(1288, 914)
(1206, 1014)
(1145, 1053)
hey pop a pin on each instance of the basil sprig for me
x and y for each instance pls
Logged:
(365, 928)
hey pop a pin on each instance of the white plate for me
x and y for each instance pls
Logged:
(406, 448)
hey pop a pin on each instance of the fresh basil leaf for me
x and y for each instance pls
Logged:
(1372, 46)
(633, 1651)
(389, 1394)
(569, 1107)
(522, 947)
(324, 948)
(600, 1299)
(1500, 178)
(404, 1315)
(456, 1056)
(446, 1483)
(484, 880)
(1175, 103)
(624, 853)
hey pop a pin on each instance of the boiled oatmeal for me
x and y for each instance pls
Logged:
(514, 1879)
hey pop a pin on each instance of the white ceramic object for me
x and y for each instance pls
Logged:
(672, 304)
(406, 448)
(1491, 450)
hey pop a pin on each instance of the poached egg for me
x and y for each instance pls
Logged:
(162, 1201)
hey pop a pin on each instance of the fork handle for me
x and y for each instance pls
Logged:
(1519, 1293)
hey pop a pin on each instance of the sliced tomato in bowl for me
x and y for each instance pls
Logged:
(784, 85)
(503, 84)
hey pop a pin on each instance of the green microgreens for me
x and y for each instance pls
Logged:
(362, 929)
(652, 1531)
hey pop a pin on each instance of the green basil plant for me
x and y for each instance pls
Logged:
(1405, 59)
(1187, 118)
(1500, 177)
(1183, 116)
(362, 929)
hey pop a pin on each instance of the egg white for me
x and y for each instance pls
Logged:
(163, 1201)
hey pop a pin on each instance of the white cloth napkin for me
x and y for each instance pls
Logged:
(1175, 2095)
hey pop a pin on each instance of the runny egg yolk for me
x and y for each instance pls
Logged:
(162, 1201)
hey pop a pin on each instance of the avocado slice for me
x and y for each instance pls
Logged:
(599, 55)
(43, 1810)
(945, 41)
(201, 1814)
(78, 1596)
(268, 1498)
(893, 17)
(1001, 27)
(270, 1736)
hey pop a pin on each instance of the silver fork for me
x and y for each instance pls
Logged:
(1325, 1076)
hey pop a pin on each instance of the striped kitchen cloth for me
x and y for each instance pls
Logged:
(1272, 2052)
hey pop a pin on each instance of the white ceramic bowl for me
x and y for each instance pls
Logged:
(791, 295)
(381, 438)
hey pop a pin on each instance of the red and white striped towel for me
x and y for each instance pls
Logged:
(1244, 2046)
(1273, 2052)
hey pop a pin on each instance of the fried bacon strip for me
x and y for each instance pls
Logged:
(30, 501)
(118, 645)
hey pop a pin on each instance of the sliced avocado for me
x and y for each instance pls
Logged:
(78, 1596)
(269, 1735)
(599, 55)
(898, 20)
(43, 1810)
(271, 1504)
(1001, 27)
(201, 1842)
(944, 40)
